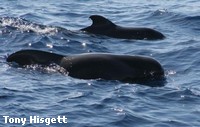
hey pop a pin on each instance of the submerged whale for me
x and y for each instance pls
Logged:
(125, 68)
(103, 26)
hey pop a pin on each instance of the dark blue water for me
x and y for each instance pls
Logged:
(53, 26)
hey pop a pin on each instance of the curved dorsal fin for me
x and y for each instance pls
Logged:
(98, 20)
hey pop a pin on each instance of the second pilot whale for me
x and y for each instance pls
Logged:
(103, 26)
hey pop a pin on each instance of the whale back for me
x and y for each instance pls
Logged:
(132, 69)
(28, 57)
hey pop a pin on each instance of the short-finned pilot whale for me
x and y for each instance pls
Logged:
(125, 68)
(103, 26)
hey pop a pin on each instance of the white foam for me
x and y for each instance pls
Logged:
(24, 25)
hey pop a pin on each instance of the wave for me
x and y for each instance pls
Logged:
(188, 22)
(178, 19)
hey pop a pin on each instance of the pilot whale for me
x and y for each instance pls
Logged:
(103, 26)
(125, 68)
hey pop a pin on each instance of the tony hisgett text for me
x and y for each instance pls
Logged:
(35, 120)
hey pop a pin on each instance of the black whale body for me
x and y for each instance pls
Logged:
(124, 68)
(103, 26)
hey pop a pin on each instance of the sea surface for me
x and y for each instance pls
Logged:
(53, 25)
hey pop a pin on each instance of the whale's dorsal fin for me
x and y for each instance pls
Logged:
(98, 20)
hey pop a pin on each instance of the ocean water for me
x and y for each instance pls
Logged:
(54, 26)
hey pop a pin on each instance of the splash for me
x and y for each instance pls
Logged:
(52, 68)
(170, 72)
(160, 12)
(26, 26)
